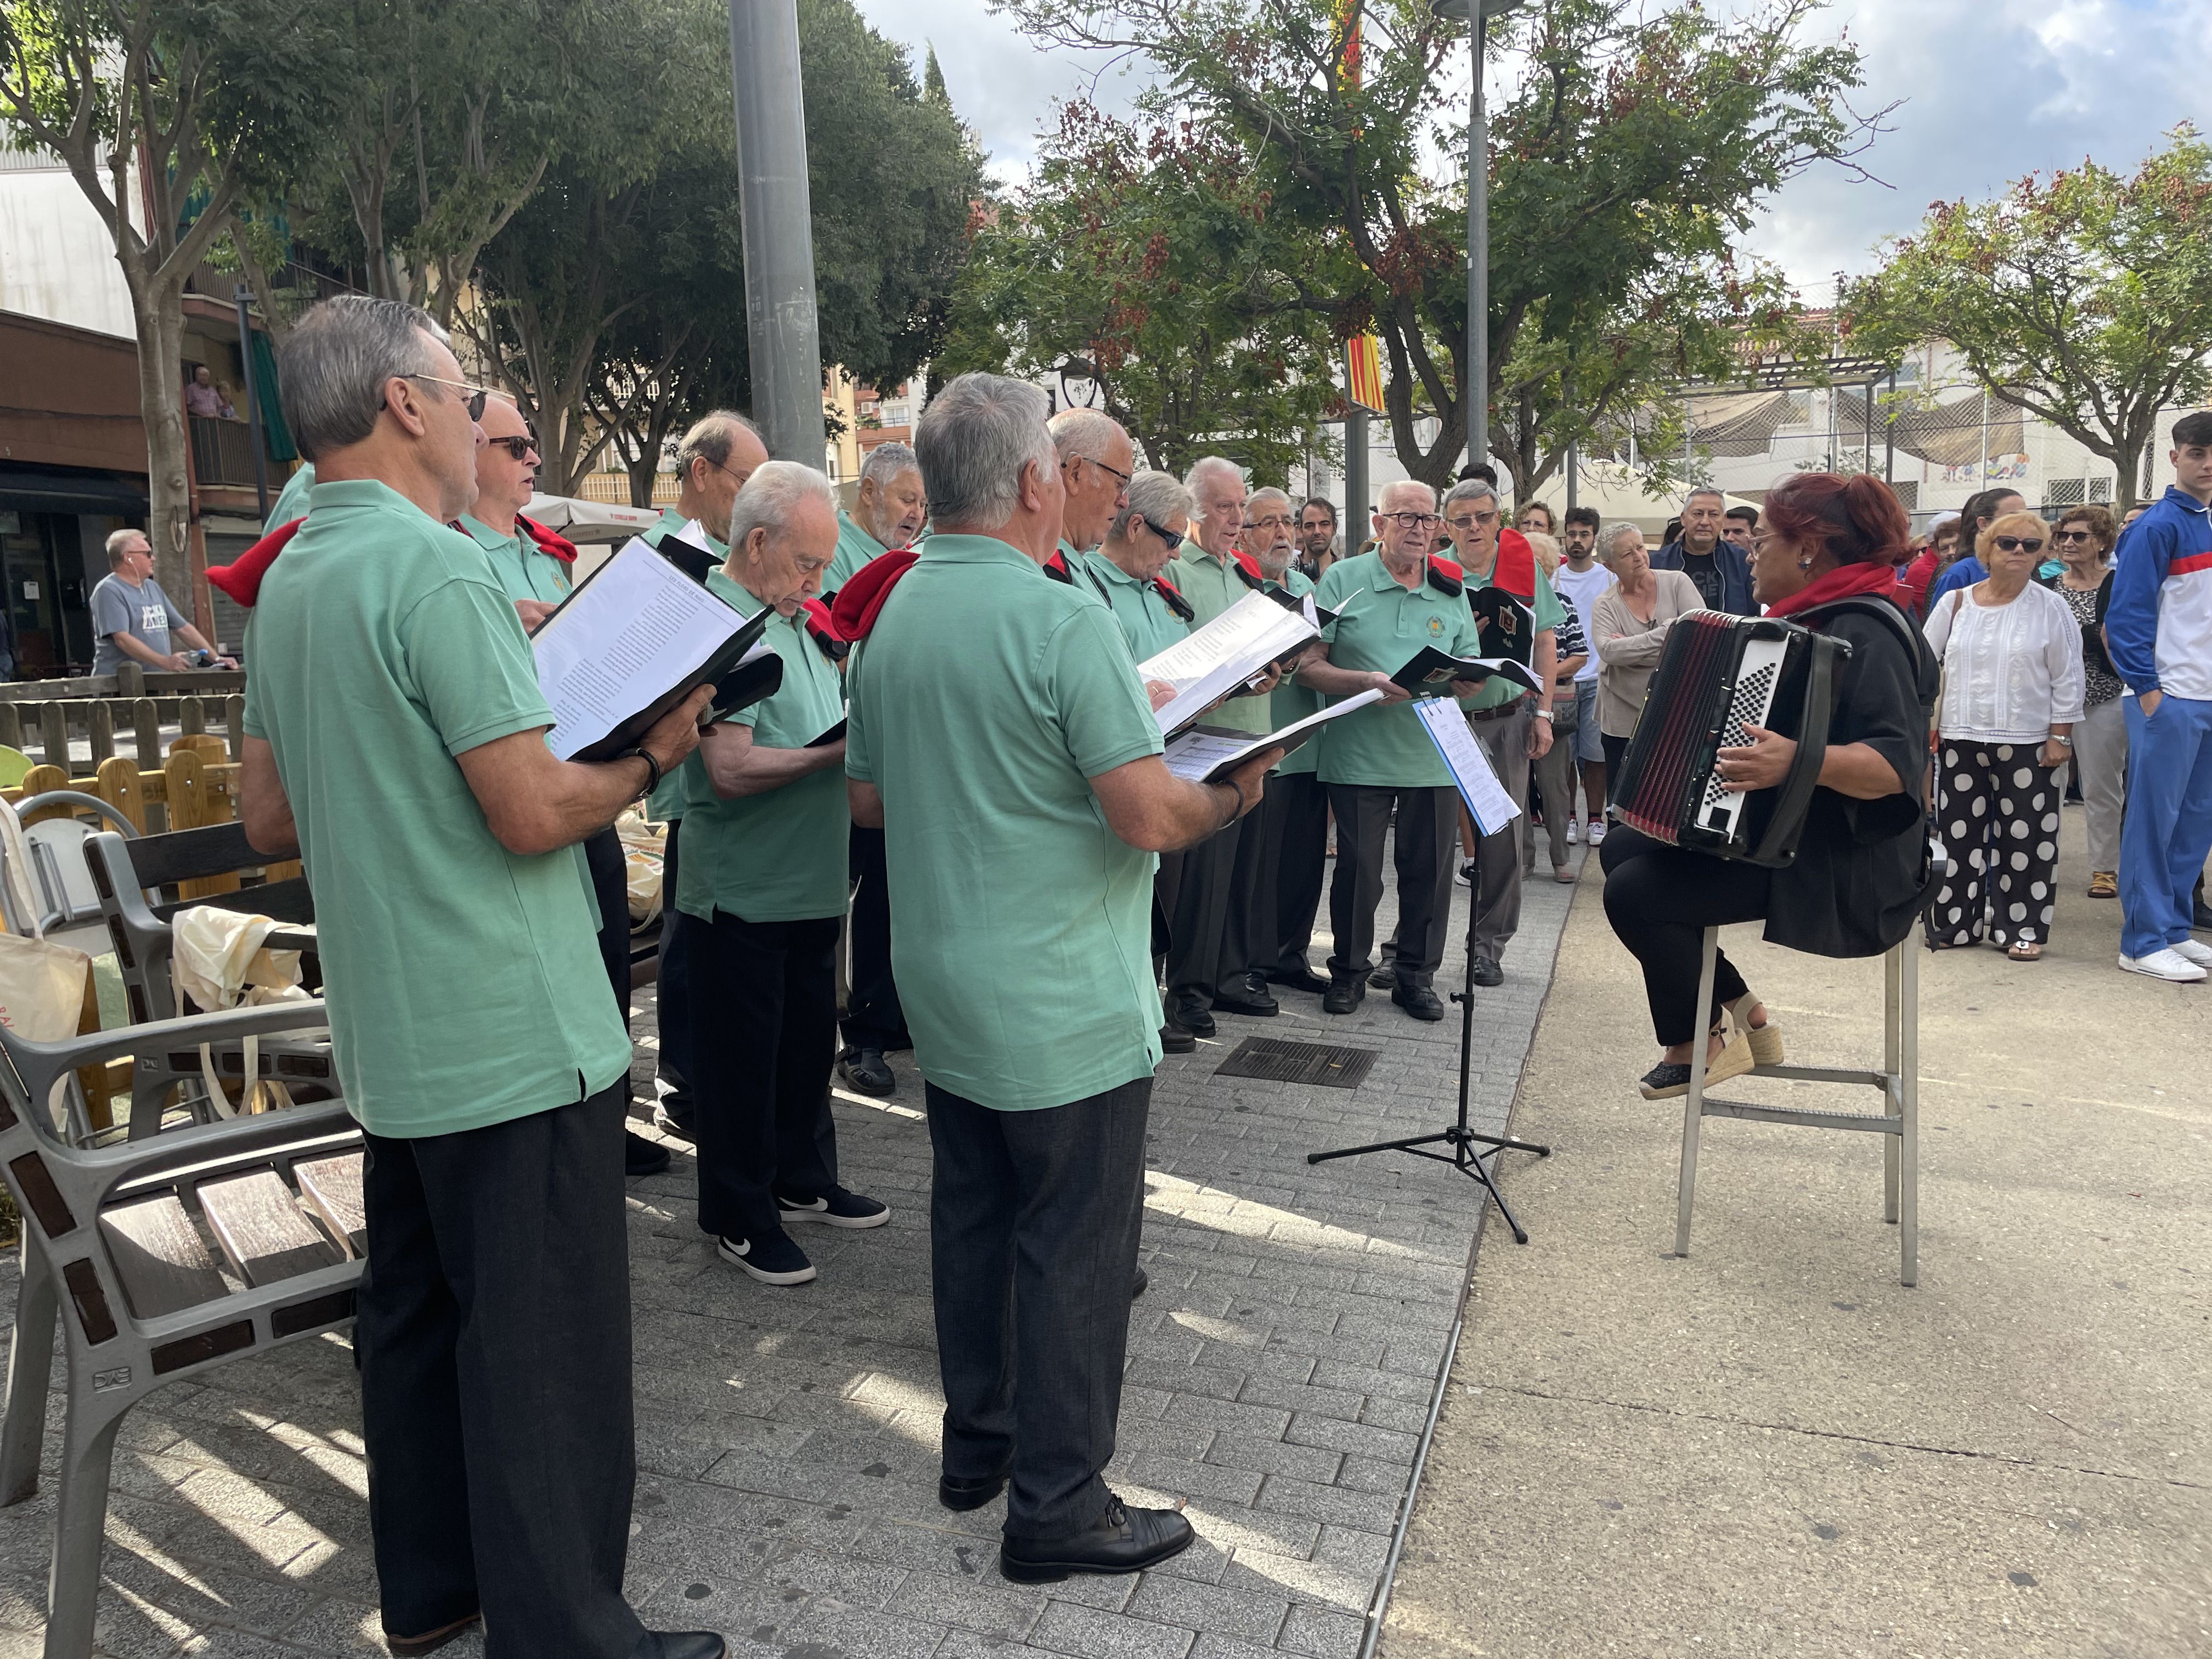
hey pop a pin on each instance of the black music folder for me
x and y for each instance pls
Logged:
(1428, 672)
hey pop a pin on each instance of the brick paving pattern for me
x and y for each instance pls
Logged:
(1280, 1370)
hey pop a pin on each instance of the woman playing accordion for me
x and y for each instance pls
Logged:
(1859, 874)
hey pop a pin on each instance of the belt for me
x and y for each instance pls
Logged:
(1501, 711)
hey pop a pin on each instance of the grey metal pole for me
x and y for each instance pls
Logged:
(1357, 529)
(1477, 255)
(240, 296)
(778, 221)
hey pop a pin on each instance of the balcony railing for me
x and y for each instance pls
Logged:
(222, 453)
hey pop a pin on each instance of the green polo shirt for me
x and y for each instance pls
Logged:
(1291, 702)
(465, 982)
(1379, 626)
(1146, 623)
(665, 804)
(781, 856)
(291, 501)
(525, 573)
(984, 701)
(855, 548)
(1212, 585)
(1548, 611)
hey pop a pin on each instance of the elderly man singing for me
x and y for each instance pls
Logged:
(1097, 461)
(887, 513)
(395, 735)
(1000, 736)
(1390, 604)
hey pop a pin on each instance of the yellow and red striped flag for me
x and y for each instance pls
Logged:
(1363, 372)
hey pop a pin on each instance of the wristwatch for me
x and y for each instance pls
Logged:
(2063, 743)
(1543, 714)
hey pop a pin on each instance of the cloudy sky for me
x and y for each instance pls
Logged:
(1993, 88)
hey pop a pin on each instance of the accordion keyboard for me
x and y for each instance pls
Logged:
(1750, 703)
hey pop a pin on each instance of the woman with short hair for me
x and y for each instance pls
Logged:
(2011, 654)
(1534, 518)
(1630, 622)
(2083, 539)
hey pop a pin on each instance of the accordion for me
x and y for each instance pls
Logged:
(1717, 675)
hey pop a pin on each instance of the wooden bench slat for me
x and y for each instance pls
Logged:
(263, 1231)
(331, 1186)
(159, 1256)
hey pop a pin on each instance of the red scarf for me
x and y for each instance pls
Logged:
(1846, 581)
(241, 577)
(859, 601)
(1515, 567)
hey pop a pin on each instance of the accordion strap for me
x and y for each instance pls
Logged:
(1912, 641)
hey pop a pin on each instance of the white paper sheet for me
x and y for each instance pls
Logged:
(1478, 787)
(638, 628)
(1217, 658)
(1199, 753)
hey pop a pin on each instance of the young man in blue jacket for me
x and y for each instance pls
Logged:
(2159, 628)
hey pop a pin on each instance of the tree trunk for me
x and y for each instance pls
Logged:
(158, 313)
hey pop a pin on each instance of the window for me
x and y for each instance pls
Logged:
(2063, 492)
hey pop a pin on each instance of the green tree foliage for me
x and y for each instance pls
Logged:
(2085, 298)
(1635, 147)
(1150, 260)
(163, 105)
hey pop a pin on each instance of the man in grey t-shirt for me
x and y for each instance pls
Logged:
(132, 617)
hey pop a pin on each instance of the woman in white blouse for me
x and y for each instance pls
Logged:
(2012, 690)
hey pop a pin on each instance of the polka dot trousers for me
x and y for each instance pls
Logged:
(1998, 822)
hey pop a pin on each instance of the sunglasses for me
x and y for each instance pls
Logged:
(1168, 535)
(517, 447)
(2017, 543)
(2072, 535)
(478, 395)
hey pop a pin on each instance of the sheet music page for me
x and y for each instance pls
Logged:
(1478, 787)
(1217, 658)
(640, 627)
(1194, 754)
(1199, 754)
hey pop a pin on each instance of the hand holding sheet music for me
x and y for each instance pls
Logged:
(1235, 648)
(1428, 672)
(1478, 787)
(1205, 756)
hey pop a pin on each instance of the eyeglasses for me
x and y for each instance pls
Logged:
(732, 472)
(478, 395)
(1277, 522)
(2072, 535)
(2018, 544)
(517, 447)
(1101, 466)
(1485, 519)
(1414, 520)
(1170, 537)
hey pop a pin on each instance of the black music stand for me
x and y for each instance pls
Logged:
(1466, 1154)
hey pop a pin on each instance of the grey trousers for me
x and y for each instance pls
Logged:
(1198, 920)
(2100, 750)
(1497, 858)
(1033, 1224)
(1426, 820)
(1556, 775)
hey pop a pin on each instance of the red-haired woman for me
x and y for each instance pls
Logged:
(1826, 556)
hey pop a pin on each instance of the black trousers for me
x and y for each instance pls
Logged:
(1248, 927)
(1296, 856)
(873, 1019)
(671, 984)
(1033, 1221)
(494, 1336)
(1660, 900)
(610, 869)
(1428, 826)
(1198, 921)
(1616, 751)
(764, 1037)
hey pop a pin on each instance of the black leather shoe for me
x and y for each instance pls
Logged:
(1122, 1540)
(1173, 1040)
(1384, 978)
(430, 1641)
(965, 1492)
(1144, 1281)
(1196, 1021)
(1344, 997)
(1250, 999)
(1418, 1000)
(641, 1157)
(671, 1115)
(1487, 972)
(680, 1644)
(865, 1070)
(1300, 978)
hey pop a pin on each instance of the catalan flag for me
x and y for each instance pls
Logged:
(1363, 372)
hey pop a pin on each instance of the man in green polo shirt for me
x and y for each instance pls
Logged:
(1390, 604)
(887, 513)
(713, 461)
(1000, 735)
(1294, 847)
(1513, 726)
(1206, 973)
(1097, 461)
(395, 737)
(507, 478)
(764, 881)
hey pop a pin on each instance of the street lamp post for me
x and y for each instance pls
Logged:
(1479, 14)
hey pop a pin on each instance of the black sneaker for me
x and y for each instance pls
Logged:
(1344, 996)
(1487, 972)
(1418, 1000)
(865, 1070)
(836, 1208)
(1196, 1021)
(641, 1157)
(772, 1258)
(1385, 978)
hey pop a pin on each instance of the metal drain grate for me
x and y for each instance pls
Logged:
(1320, 1063)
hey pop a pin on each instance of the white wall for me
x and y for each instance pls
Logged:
(57, 259)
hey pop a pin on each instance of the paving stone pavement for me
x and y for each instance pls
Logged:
(1281, 1368)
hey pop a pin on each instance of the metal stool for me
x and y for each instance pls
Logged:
(1898, 1120)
